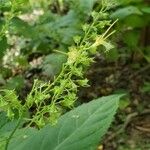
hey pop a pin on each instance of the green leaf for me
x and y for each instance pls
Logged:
(82, 6)
(52, 64)
(64, 28)
(22, 134)
(125, 12)
(127, 2)
(112, 55)
(21, 27)
(3, 46)
(79, 129)
(6, 126)
(5, 3)
(135, 21)
(131, 38)
(2, 80)
(146, 10)
(16, 82)
(146, 87)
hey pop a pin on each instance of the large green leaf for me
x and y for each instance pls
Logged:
(63, 28)
(82, 6)
(79, 129)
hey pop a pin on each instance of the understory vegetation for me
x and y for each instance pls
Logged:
(67, 67)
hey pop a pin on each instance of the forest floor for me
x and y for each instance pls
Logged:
(131, 128)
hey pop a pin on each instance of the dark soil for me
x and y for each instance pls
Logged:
(131, 129)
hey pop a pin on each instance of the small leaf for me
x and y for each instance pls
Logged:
(77, 39)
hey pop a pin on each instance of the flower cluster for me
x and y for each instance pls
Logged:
(51, 99)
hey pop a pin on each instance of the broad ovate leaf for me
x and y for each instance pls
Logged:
(79, 129)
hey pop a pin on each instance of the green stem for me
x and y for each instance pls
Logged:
(90, 27)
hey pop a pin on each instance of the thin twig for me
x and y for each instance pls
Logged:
(129, 118)
(140, 71)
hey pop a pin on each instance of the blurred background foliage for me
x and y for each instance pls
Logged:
(39, 27)
(30, 37)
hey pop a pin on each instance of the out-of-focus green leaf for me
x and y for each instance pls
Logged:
(3, 46)
(146, 53)
(124, 102)
(22, 61)
(131, 38)
(127, 2)
(53, 63)
(146, 87)
(22, 28)
(15, 83)
(146, 10)
(82, 6)
(2, 81)
(125, 12)
(5, 3)
(63, 28)
(6, 72)
(112, 55)
(135, 21)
